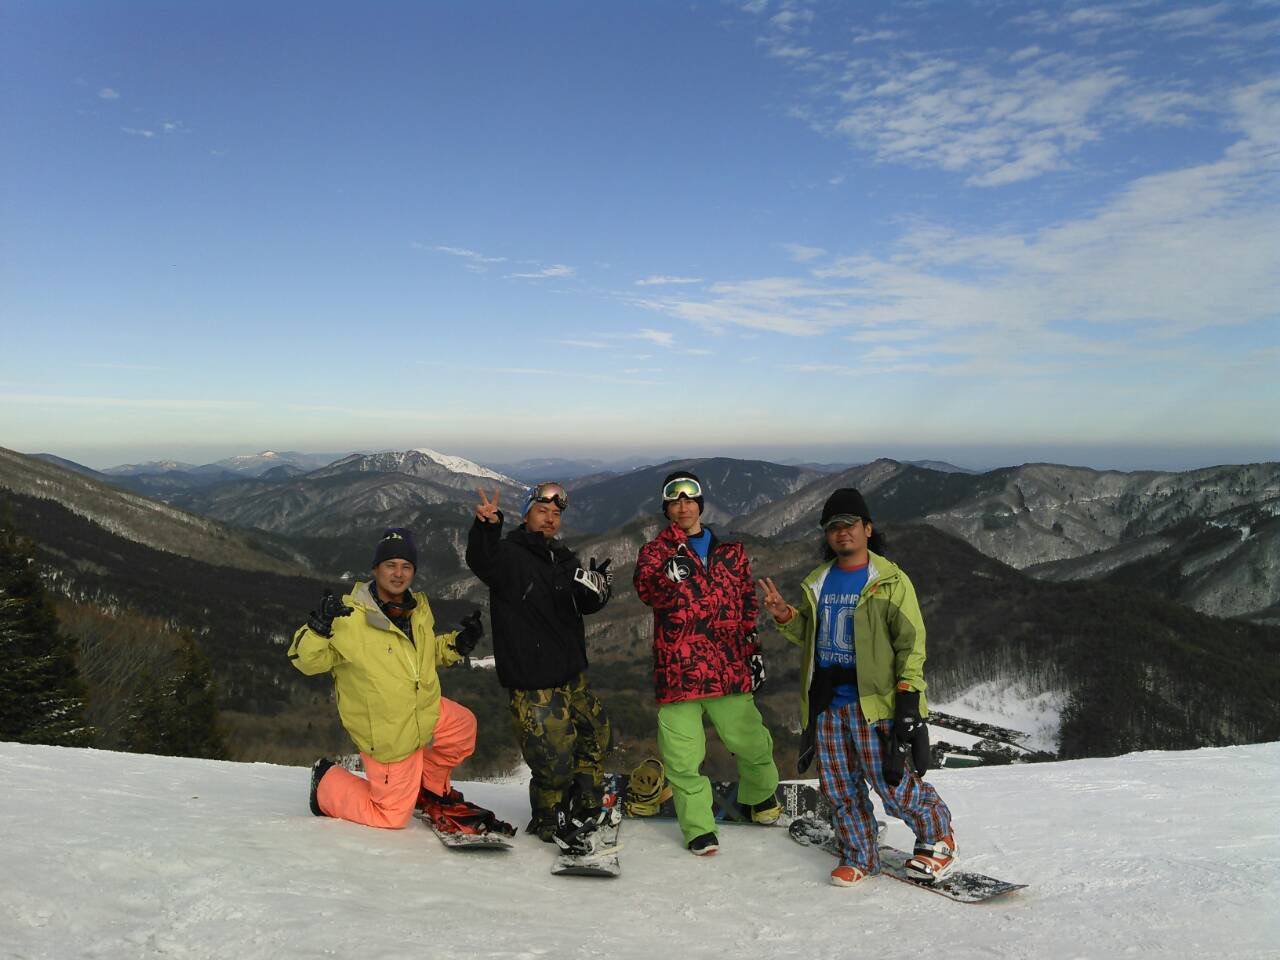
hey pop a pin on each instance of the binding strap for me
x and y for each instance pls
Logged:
(647, 788)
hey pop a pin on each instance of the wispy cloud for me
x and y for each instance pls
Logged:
(586, 344)
(475, 261)
(874, 36)
(139, 132)
(802, 254)
(1168, 255)
(663, 280)
(969, 119)
(662, 338)
(555, 270)
(993, 116)
(108, 93)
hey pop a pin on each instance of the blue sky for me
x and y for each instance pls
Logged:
(985, 232)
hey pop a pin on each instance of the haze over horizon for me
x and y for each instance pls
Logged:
(973, 232)
(977, 459)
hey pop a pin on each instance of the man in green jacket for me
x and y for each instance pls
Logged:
(380, 644)
(862, 693)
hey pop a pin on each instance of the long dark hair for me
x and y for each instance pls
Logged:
(875, 543)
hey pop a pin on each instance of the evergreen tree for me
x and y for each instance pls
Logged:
(41, 694)
(177, 717)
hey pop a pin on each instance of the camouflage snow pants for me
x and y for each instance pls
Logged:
(564, 735)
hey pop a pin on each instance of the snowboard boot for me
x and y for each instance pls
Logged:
(767, 811)
(932, 862)
(582, 834)
(847, 875)
(318, 770)
(704, 845)
(542, 827)
(450, 813)
(428, 800)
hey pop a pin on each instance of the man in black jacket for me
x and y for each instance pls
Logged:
(538, 593)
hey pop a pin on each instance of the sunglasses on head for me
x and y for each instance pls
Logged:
(549, 493)
(684, 487)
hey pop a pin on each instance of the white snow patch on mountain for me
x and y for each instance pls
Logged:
(1006, 703)
(1167, 855)
(461, 465)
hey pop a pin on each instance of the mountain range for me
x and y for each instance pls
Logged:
(1117, 585)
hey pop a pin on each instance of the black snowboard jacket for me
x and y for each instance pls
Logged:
(536, 608)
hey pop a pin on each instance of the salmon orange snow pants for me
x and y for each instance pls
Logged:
(386, 795)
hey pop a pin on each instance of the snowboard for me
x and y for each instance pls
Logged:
(601, 863)
(799, 800)
(958, 886)
(471, 841)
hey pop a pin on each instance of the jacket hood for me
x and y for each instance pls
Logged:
(361, 596)
(879, 570)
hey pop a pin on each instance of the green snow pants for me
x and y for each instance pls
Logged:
(683, 744)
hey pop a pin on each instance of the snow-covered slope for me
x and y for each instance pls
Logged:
(115, 855)
(462, 465)
(1006, 702)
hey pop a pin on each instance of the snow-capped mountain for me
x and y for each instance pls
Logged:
(462, 465)
(428, 464)
(1123, 857)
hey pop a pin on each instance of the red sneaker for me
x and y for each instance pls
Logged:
(846, 876)
(933, 861)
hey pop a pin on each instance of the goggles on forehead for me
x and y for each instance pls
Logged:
(684, 487)
(841, 520)
(548, 493)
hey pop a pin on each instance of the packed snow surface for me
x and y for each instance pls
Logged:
(116, 855)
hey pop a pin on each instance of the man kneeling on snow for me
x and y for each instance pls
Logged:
(380, 644)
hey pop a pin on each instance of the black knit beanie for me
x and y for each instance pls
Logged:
(846, 500)
(396, 544)
(679, 475)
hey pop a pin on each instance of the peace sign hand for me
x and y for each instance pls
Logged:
(486, 509)
(778, 608)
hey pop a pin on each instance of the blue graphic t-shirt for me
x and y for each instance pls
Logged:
(840, 592)
(701, 544)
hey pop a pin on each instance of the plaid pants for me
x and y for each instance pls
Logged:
(849, 756)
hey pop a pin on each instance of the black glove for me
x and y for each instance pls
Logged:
(470, 630)
(906, 715)
(330, 609)
(678, 568)
(604, 571)
(909, 739)
(596, 579)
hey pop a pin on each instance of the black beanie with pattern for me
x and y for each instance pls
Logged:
(396, 544)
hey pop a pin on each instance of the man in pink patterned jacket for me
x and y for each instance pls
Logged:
(706, 661)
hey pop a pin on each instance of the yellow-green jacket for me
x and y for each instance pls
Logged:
(888, 637)
(388, 691)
